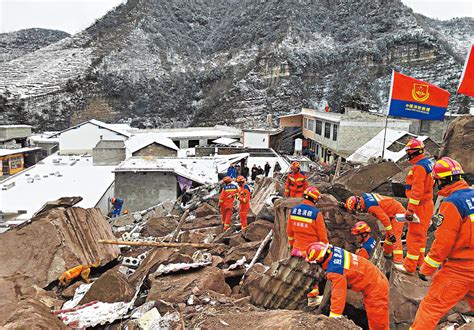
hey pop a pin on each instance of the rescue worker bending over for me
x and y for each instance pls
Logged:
(244, 201)
(384, 209)
(296, 182)
(452, 249)
(361, 231)
(419, 190)
(117, 204)
(226, 201)
(306, 225)
(344, 270)
(73, 273)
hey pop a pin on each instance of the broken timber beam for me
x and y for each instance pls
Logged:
(159, 244)
(180, 224)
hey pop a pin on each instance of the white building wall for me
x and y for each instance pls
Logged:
(83, 139)
(104, 204)
(256, 140)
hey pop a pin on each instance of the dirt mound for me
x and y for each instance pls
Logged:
(459, 142)
(276, 319)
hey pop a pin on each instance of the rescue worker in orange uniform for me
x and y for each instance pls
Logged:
(244, 201)
(361, 231)
(384, 209)
(306, 225)
(226, 201)
(73, 273)
(344, 270)
(452, 249)
(419, 190)
(296, 182)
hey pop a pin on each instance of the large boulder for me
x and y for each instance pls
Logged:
(31, 314)
(247, 250)
(459, 142)
(112, 286)
(205, 222)
(176, 288)
(367, 178)
(55, 240)
(252, 279)
(160, 226)
(204, 210)
(258, 230)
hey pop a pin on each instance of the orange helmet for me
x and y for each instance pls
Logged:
(295, 165)
(360, 227)
(414, 147)
(312, 193)
(316, 252)
(125, 212)
(112, 200)
(353, 203)
(240, 179)
(446, 167)
(227, 179)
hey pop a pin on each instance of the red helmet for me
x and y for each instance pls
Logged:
(414, 146)
(360, 227)
(240, 179)
(227, 179)
(312, 193)
(295, 165)
(112, 200)
(353, 203)
(316, 251)
(446, 167)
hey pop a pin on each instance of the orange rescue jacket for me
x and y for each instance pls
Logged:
(419, 182)
(228, 195)
(244, 197)
(305, 226)
(454, 239)
(383, 208)
(344, 270)
(296, 184)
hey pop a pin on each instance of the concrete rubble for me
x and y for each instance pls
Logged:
(241, 282)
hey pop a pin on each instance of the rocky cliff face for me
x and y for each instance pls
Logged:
(162, 63)
(19, 43)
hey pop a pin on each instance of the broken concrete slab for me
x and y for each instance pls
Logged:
(160, 226)
(252, 279)
(177, 288)
(262, 191)
(31, 313)
(112, 286)
(202, 235)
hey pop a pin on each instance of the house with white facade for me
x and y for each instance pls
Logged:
(82, 138)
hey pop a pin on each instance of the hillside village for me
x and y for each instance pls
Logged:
(179, 268)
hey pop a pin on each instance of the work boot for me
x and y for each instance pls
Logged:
(315, 301)
(401, 268)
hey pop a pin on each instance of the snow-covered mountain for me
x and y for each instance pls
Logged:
(19, 43)
(181, 62)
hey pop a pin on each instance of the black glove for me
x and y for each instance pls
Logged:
(392, 238)
(422, 277)
(342, 205)
(409, 215)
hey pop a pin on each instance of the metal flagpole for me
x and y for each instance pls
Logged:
(384, 136)
(386, 116)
